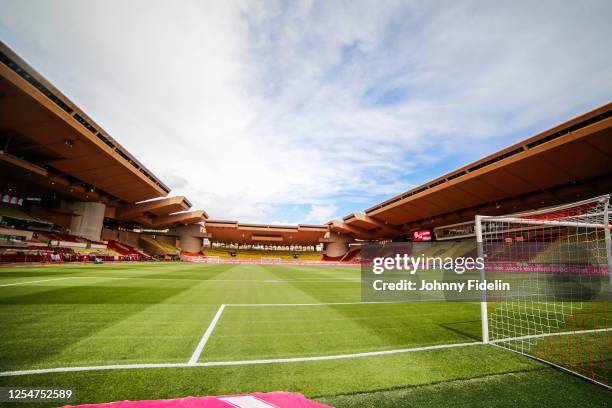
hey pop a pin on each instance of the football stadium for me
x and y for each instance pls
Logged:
(116, 289)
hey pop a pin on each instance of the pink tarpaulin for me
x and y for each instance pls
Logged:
(255, 400)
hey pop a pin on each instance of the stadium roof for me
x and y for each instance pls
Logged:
(362, 226)
(235, 232)
(158, 207)
(49, 144)
(570, 161)
(48, 135)
(178, 219)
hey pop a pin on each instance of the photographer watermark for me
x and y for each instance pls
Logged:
(443, 271)
(412, 264)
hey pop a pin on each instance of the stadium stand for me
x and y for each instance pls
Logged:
(257, 255)
(127, 250)
(25, 238)
(14, 217)
(155, 247)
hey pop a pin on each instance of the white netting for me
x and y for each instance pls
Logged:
(558, 261)
(270, 260)
(210, 259)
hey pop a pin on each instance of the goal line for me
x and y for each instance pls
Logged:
(237, 362)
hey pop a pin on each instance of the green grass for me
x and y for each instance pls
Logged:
(524, 389)
(294, 331)
(157, 313)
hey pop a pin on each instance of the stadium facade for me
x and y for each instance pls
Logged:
(69, 188)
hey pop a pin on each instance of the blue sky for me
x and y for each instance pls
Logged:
(301, 112)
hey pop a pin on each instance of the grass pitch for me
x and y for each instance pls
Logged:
(157, 314)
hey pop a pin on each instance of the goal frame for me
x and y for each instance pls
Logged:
(209, 258)
(520, 219)
(270, 260)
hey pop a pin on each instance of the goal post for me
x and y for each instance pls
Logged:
(559, 261)
(270, 260)
(211, 259)
(483, 296)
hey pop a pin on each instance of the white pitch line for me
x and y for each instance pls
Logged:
(90, 368)
(235, 363)
(217, 280)
(36, 281)
(338, 356)
(196, 354)
(311, 304)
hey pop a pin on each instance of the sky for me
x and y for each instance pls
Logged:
(306, 111)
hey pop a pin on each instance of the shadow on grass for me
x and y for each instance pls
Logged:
(396, 324)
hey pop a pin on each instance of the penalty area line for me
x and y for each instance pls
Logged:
(238, 362)
(198, 351)
(314, 304)
(339, 356)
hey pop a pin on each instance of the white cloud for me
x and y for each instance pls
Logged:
(320, 214)
(247, 107)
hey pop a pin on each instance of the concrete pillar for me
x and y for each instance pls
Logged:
(110, 234)
(89, 223)
(336, 245)
(190, 243)
(191, 237)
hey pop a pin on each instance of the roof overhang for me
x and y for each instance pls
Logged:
(157, 208)
(568, 162)
(178, 219)
(41, 126)
(193, 230)
(243, 233)
(39, 179)
(365, 222)
(342, 227)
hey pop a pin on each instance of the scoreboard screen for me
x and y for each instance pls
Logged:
(421, 235)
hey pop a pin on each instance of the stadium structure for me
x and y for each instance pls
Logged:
(64, 173)
(66, 178)
(71, 193)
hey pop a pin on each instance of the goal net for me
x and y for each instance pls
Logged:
(559, 263)
(210, 259)
(269, 260)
